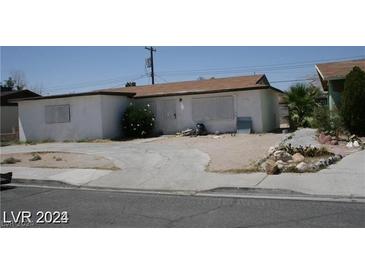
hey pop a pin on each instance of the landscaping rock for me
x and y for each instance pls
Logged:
(355, 144)
(282, 155)
(297, 158)
(271, 150)
(290, 168)
(334, 142)
(302, 167)
(337, 157)
(349, 145)
(322, 162)
(312, 167)
(318, 165)
(324, 139)
(271, 167)
(281, 164)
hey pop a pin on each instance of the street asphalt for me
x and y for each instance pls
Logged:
(101, 208)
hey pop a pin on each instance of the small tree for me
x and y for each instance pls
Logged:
(301, 100)
(353, 102)
(138, 121)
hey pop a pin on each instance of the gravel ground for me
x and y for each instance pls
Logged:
(60, 160)
(226, 152)
(307, 137)
(303, 137)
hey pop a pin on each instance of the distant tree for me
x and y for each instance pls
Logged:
(16, 81)
(8, 85)
(301, 100)
(353, 101)
(130, 84)
(19, 78)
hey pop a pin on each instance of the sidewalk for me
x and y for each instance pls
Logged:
(153, 167)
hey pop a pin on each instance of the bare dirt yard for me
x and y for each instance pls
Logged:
(56, 160)
(229, 153)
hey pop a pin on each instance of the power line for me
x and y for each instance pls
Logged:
(271, 66)
(93, 83)
(163, 79)
(293, 80)
(227, 70)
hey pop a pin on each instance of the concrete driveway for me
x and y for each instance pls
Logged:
(146, 164)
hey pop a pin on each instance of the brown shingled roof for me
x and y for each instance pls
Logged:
(181, 88)
(338, 70)
(197, 86)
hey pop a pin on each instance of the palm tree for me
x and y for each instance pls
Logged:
(301, 100)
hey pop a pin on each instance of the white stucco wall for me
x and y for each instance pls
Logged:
(248, 104)
(85, 119)
(91, 117)
(270, 110)
(260, 105)
(112, 109)
(9, 119)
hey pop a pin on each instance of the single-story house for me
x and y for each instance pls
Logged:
(332, 76)
(9, 111)
(218, 103)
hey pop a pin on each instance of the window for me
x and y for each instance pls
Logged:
(213, 108)
(57, 114)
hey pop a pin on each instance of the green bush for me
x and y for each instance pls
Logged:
(353, 102)
(327, 121)
(138, 121)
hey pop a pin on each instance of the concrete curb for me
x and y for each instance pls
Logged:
(206, 193)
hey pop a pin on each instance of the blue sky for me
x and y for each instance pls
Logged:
(77, 69)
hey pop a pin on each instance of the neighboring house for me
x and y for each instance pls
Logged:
(218, 103)
(9, 112)
(332, 76)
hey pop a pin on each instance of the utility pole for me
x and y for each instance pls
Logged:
(151, 49)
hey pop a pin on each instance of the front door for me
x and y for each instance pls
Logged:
(169, 116)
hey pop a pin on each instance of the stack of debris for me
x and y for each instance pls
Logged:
(200, 129)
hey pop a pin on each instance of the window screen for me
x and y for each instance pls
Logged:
(213, 108)
(57, 114)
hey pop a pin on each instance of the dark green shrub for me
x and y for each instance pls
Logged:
(327, 121)
(138, 121)
(353, 102)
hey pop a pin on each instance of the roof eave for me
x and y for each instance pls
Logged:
(130, 94)
(205, 92)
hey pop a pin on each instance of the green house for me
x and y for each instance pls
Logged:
(332, 76)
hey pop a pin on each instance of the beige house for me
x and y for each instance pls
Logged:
(224, 105)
